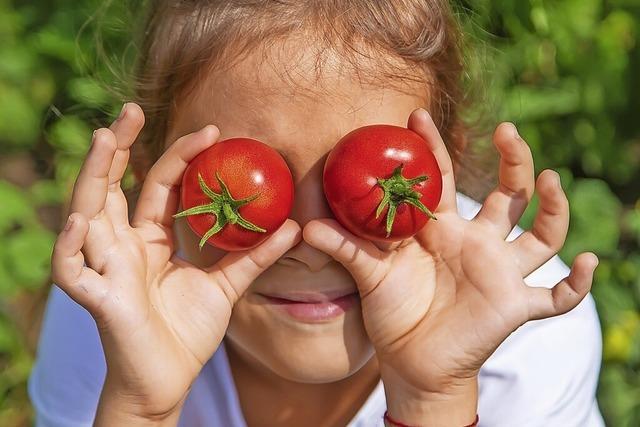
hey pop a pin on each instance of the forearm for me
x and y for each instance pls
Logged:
(455, 408)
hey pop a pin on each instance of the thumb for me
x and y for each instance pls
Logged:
(362, 258)
(237, 270)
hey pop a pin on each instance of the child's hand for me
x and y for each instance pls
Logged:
(437, 305)
(160, 318)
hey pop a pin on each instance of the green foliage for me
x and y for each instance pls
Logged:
(50, 94)
(564, 71)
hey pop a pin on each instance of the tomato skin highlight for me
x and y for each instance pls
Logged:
(247, 167)
(351, 174)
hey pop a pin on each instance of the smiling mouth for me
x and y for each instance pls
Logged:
(309, 296)
(311, 307)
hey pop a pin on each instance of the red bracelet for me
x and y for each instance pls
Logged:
(399, 424)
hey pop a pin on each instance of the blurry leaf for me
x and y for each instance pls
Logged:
(620, 338)
(16, 208)
(46, 192)
(11, 22)
(42, 88)
(29, 252)
(19, 118)
(595, 218)
(16, 63)
(580, 15)
(617, 32)
(532, 103)
(622, 395)
(88, 91)
(6, 281)
(67, 168)
(617, 344)
(70, 135)
(611, 297)
(632, 221)
(51, 42)
(8, 336)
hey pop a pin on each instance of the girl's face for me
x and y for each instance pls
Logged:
(285, 105)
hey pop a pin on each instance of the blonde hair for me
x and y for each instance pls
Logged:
(183, 40)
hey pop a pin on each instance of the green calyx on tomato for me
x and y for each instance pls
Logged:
(223, 206)
(398, 189)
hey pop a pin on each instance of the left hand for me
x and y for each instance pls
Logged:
(437, 305)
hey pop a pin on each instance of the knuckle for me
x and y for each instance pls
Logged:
(351, 255)
(62, 271)
(552, 239)
(526, 152)
(175, 147)
(556, 244)
(114, 186)
(259, 262)
(55, 273)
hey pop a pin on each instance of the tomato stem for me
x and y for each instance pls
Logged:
(398, 189)
(223, 206)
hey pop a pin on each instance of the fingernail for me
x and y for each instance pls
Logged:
(93, 137)
(69, 223)
(122, 112)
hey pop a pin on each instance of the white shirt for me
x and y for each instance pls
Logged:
(543, 374)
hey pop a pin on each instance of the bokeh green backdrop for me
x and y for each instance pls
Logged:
(567, 72)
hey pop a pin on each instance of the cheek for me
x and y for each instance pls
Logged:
(308, 353)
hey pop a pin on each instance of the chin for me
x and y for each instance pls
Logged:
(296, 351)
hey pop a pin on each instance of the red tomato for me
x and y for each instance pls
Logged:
(236, 193)
(368, 160)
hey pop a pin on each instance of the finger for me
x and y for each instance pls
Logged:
(90, 195)
(68, 271)
(506, 204)
(535, 247)
(126, 129)
(90, 190)
(366, 263)
(237, 270)
(567, 293)
(158, 199)
(98, 243)
(421, 122)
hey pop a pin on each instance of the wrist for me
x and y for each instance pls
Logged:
(117, 407)
(457, 406)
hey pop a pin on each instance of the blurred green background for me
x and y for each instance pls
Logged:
(567, 72)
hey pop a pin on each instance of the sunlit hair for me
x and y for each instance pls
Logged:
(390, 41)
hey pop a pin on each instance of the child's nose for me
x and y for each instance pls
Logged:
(309, 203)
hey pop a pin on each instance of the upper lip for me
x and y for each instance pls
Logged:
(310, 296)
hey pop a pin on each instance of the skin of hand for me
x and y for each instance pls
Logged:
(437, 305)
(160, 318)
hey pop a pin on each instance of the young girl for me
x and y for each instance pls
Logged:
(415, 333)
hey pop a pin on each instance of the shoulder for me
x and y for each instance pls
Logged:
(547, 370)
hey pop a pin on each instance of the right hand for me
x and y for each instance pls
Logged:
(159, 317)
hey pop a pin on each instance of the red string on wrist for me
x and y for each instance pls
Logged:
(397, 423)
